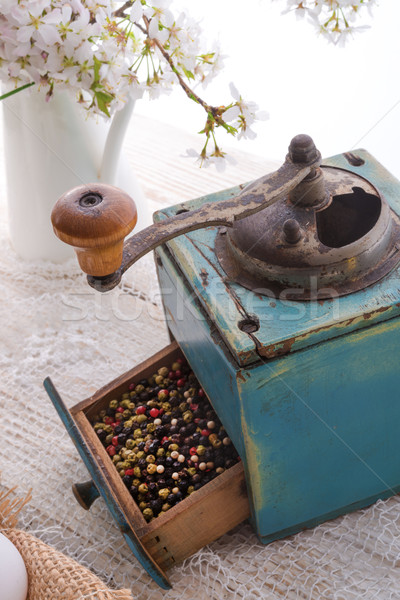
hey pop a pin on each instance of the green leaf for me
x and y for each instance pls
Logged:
(188, 73)
(96, 70)
(103, 100)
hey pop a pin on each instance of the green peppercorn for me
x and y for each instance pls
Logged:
(190, 489)
(187, 416)
(212, 437)
(113, 404)
(173, 393)
(139, 389)
(151, 468)
(173, 447)
(143, 489)
(200, 450)
(150, 458)
(136, 482)
(116, 458)
(140, 454)
(126, 414)
(160, 452)
(191, 471)
(143, 505)
(125, 402)
(183, 407)
(137, 471)
(102, 414)
(151, 427)
(141, 418)
(98, 426)
(130, 444)
(109, 438)
(137, 433)
(175, 366)
(131, 406)
(166, 407)
(216, 444)
(164, 493)
(119, 417)
(165, 507)
(148, 514)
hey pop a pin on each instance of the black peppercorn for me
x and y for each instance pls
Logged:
(164, 438)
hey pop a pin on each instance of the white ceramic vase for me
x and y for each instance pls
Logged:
(51, 147)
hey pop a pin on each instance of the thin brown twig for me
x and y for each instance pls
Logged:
(188, 91)
(120, 11)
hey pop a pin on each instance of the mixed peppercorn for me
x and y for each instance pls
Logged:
(164, 438)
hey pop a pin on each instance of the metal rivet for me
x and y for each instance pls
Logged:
(90, 199)
(292, 231)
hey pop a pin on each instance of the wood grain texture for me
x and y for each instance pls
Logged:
(200, 518)
(95, 219)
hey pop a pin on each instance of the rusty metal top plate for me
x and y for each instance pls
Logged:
(253, 325)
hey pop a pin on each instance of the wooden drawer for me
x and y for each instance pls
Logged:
(174, 535)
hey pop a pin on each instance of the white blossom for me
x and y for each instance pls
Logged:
(104, 52)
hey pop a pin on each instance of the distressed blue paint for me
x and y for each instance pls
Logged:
(317, 429)
(298, 323)
(102, 486)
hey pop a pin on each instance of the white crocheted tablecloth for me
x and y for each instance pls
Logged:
(53, 324)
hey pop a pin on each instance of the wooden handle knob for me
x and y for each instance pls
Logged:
(95, 219)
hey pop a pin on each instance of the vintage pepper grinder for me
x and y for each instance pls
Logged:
(284, 297)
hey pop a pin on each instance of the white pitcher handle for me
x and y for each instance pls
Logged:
(113, 145)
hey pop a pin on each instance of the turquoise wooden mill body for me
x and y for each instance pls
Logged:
(284, 296)
(310, 394)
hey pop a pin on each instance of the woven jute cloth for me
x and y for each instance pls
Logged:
(54, 576)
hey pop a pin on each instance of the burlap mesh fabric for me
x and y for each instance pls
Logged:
(52, 324)
(54, 576)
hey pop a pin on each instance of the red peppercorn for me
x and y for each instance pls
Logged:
(140, 410)
(120, 409)
(154, 412)
(114, 424)
(193, 451)
(111, 450)
(181, 361)
(181, 382)
(205, 432)
(193, 406)
(178, 374)
(197, 420)
(108, 420)
(201, 393)
(165, 439)
(172, 375)
(132, 387)
(163, 394)
(129, 472)
(114, 441)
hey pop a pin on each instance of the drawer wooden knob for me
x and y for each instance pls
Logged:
(85, 493)
(95, 219)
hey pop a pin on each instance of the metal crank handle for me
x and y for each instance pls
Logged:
(95, 218)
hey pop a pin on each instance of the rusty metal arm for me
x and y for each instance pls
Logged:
(255, 197)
